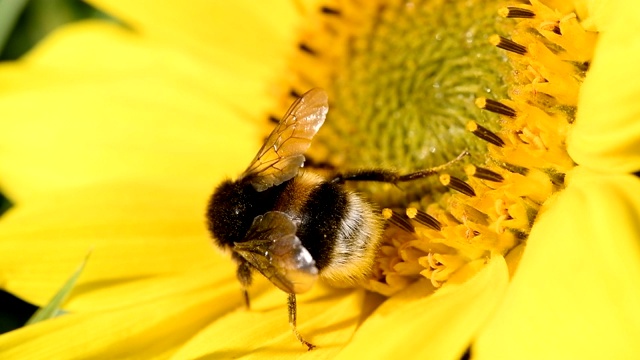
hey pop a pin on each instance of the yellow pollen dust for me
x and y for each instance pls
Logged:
(488, 206)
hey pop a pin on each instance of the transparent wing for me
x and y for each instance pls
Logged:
(273, 249)
(281, 156)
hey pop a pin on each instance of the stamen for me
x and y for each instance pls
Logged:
(454, 183)
(274, 119)
(436, 284)
(433, 263)
(330, 11)
(557, 178)
(483, 173)
(514, 168)
(294, 93)
(305, 48)
(495, 107)
(484, 134)
(513, 12)
(506, 44)
(551, 26)
(397, 220)
(424, 219)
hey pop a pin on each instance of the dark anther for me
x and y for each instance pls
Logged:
(274, 119)
(330, 11)
(305, 48)
(519, 13)
(485, 134)
(519, 234)
(456, 184)
(294, 93)
(498, 108)
(509, 45)
(427, 220)
(556, 177)
(556, 30)
(515, 168)
(483, 173)
(401, 222)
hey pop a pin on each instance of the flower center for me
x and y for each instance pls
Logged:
(412, 85)
(402, 78)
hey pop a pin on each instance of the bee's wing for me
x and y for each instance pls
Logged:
(272, 247)
(281, 156)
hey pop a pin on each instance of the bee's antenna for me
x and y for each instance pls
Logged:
(392, 177)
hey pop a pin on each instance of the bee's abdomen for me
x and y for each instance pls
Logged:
(341, 232)
(321, 217)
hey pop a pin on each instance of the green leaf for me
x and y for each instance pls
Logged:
(53, 308)
(10, 11)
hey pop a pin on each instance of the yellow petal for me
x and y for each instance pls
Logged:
(440, 326)
(601, 14)
(135, 231)
(606, 135)
(326, 317)
(97, 103)
(149, 330)
(575, 294)
(236, 35)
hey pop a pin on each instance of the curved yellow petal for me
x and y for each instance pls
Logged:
(152, 329)
(96, 103)
(242, 36)
(326, 317)
(135, 231)
(606, 134)
(575, 294)
(597, 14)
(440, 326)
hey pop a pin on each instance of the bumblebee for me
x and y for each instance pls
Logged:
(294, 226)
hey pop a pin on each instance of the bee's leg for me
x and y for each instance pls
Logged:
(292, 321)
(244, 276)
(388, 176)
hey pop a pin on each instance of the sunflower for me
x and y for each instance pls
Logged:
(134, 126)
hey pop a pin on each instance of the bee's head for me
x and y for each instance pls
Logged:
(231, 212)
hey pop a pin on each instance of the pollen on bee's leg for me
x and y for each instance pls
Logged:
(456, 184)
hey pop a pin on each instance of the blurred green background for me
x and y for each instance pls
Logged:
(23, 24)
